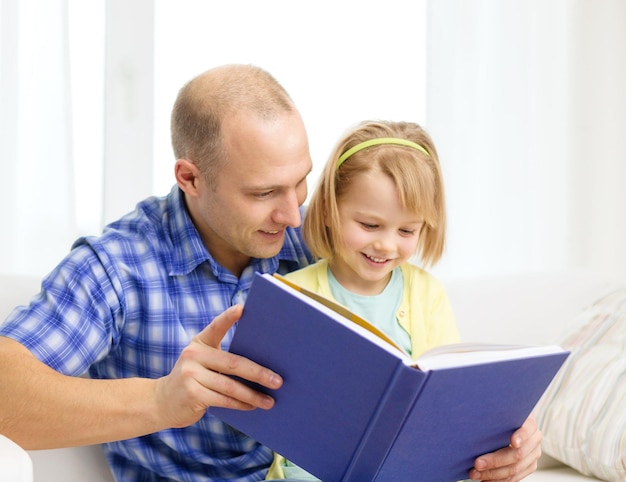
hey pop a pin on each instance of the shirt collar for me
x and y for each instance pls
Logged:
(188, 250)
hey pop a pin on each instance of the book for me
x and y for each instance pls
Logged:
(355, 407)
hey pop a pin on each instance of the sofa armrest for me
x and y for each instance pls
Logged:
(15, 463)
(74, 464)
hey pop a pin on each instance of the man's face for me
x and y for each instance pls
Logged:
(258, 189)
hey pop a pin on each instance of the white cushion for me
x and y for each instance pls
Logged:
(583, 413)
(15, 464)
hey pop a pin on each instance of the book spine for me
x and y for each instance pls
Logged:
(386, 422)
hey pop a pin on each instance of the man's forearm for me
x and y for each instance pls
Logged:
(40, 408)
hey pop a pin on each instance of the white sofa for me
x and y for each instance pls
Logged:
(534, 308)
(530, 309)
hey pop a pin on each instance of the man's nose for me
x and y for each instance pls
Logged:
(288, 212)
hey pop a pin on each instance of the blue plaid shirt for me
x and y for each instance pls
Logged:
(125, 304)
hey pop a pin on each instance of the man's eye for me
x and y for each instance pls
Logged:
(264, 194)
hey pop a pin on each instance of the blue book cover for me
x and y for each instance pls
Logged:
(354, 407)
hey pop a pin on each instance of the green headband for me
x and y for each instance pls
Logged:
(376, 142)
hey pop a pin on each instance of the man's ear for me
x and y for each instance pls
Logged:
(188, 176)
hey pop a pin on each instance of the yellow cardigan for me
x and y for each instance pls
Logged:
(425, 311)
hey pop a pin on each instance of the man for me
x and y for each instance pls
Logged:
(149, 306)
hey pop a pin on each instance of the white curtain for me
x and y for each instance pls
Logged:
(51, 108)
(37, 180)
(527, 105)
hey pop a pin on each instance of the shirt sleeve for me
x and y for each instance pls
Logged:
(71, 323)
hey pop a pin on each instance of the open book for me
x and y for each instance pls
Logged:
(355, 407)
(444, 356)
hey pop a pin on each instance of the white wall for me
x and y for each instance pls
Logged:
(598, 128)
(342, 62)
(527, 105)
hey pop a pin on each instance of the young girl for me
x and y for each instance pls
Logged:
(378, 204)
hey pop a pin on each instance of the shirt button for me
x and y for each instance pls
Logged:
(238, 297)
(401, 313)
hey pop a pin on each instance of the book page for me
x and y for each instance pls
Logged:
(464, 354)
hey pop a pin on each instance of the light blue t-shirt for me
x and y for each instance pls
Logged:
(380, 310)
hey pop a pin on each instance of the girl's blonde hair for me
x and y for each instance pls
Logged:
(416, 175)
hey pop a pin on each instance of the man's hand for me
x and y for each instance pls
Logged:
(199, 378)
(514, 462)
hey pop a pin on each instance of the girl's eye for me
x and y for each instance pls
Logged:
(408, 232)
(368, 226)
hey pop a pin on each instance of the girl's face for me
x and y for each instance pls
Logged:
(378, 234)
